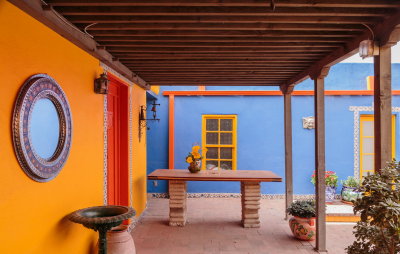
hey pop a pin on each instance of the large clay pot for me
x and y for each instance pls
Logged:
(119, 241)
(303, 228)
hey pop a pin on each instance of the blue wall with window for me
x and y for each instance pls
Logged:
(260, 140)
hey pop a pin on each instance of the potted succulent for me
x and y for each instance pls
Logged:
(331, 182)
(302, 223)
(194, 158)
(350, 191)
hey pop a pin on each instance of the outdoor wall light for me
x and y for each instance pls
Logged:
(368, 48)
(142, 117)
(101, 84)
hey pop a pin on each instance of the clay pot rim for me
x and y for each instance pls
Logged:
(305, 217)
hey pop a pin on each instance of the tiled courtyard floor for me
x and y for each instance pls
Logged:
(214, 227)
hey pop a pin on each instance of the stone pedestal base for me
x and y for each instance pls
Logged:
(251, 196)
(177, 203)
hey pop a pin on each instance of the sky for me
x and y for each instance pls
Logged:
(356, 59)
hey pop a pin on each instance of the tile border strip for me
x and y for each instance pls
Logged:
(356, 133)
(235, 195)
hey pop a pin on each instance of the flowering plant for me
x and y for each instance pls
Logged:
(196, 154)
(331, 179)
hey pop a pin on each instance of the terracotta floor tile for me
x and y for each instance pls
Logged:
(214, 228)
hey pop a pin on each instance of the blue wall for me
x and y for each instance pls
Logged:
(260, 130)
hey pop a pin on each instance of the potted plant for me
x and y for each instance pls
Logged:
(194, 158)
(350, 191)
(378, 231)
(331, 182)
(302, 223)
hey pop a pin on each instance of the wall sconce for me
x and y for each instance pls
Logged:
(309, 122)
(142, 117)
(101, 84)
(368, 48)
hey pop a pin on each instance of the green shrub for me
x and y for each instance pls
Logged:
(351, 181)
(302, 208)
(378, 232)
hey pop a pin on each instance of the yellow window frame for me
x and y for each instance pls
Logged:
(234, 138)
(370, 118)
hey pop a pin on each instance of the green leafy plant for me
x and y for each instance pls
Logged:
(331, 179)
(378, 232)
(351, 181)
(302, 208)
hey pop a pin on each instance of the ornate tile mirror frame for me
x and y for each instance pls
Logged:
(41, 87)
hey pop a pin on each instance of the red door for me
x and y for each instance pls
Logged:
(117, 143)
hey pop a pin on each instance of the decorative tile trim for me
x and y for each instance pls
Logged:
(130, 129)
(235, 195)
(357, 110)
(105, 145)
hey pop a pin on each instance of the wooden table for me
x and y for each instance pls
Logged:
(249, 185)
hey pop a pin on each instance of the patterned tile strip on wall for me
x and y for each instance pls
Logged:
(357, 110)
(235, 195)
(105, 201)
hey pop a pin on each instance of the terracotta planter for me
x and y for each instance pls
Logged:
(303, 228)
(119, 241)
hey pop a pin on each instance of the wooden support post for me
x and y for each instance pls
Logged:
(287, 99)
(382, 107)
(319, 111)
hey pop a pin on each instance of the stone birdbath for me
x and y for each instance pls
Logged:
(102, 219)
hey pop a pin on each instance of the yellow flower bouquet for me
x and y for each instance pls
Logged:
(194, 158)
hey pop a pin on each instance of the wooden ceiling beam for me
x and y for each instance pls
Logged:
(231, 26)
(277, 48)
(131, 45)
(226, 33)
(227, 3)
(222, 11)
(122, 40)
(89, 19)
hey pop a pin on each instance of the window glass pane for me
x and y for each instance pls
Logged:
(226, 165)
(368, 128)
(368, 145)
(211, 165)
(212, 124)
(226, 124)
(212, 138)
(226, 138)
(226, 153)
(368, 162)
(212, 153)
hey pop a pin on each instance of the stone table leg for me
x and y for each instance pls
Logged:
(251, 195)
(177, 203)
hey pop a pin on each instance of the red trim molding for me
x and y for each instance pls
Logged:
(270, 93)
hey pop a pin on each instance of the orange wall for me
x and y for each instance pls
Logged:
(138, 152)
(32, 213)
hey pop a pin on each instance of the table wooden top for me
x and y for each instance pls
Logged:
(215, 175)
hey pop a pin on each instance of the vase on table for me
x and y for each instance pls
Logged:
(195, 166)
(330, 194)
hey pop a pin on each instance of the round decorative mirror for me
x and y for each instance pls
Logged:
(42, 128)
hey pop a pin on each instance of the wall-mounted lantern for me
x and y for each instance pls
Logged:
(101, 84)
(142, 117)
(368, 48)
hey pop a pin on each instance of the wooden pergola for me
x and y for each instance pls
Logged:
(237, 42)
